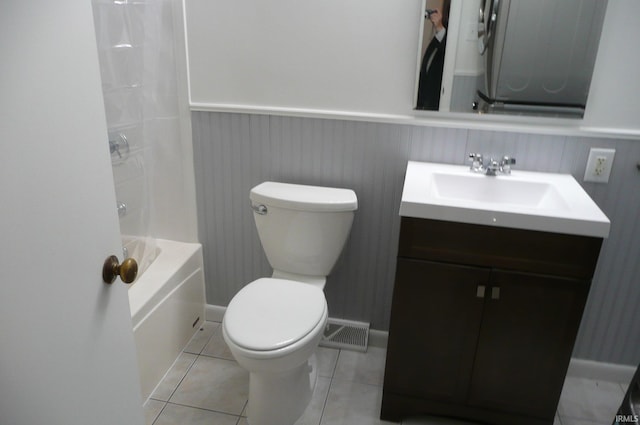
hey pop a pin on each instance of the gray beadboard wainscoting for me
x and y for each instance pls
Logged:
(234, 152)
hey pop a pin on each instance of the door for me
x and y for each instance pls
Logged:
(528, 329)
(67, 354)
(437, 309)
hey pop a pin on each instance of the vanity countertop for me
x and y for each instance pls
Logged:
(527, 200)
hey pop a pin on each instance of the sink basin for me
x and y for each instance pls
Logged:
(523, 200)
(497, 190)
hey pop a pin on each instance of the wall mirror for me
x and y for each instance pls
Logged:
(508, 57)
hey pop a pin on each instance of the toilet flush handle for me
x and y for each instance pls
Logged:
(259, 209)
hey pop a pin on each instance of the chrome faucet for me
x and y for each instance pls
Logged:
(506, 163)
(477, 164)
(493, 167)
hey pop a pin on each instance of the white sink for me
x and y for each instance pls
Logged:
(523, 200)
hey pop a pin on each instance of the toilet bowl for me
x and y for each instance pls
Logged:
(273, 325)
(258, 324)
(278, 352)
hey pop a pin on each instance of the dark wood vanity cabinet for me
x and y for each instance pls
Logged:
(483, 321)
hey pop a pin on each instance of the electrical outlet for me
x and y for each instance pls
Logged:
(599, 165)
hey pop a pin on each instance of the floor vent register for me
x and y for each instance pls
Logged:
(345, 334)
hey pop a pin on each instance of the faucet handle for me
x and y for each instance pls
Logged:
(507, 160)
(476, 162)
(506, 163)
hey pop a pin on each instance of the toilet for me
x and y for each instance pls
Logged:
(274, 325)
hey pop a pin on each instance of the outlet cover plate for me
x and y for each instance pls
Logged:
(599, 165)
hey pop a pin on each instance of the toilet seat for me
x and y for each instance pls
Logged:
(270, 314)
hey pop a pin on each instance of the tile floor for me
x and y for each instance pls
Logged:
(206, 386)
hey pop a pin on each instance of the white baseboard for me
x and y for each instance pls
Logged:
(601, 371)
(214, 313)
(578, 368)
(378, 338)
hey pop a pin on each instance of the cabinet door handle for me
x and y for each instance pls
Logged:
(495, 293)
(480, 291)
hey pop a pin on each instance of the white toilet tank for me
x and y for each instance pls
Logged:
(302, 228)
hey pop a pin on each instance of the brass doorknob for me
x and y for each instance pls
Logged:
(127, 271)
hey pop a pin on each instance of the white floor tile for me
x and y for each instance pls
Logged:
(353, 403)
(214, 384)
(174, 414)
(433, 420)
(364, 368)
(152, 409)
(327, 359)
(170, 382)
(574, 421)
(217, 347)
(213, 388)
(589, 400)
(201, 338)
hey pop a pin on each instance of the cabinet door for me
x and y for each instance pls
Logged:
(528, 330)
(434, 329)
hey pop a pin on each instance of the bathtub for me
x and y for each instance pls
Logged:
(167, 307)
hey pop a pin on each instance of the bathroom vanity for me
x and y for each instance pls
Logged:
(484, 316)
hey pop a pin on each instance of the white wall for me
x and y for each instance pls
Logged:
(356, 55)
(360, 58)
(468, 60)
(615, 87)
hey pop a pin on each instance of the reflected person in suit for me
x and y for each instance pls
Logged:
(433, 61)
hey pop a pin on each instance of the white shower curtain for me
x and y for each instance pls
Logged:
(135, 49)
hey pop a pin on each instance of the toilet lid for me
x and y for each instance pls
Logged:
(269, 314)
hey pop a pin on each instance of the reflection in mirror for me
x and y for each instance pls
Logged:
(434, 44)
(515, 56)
